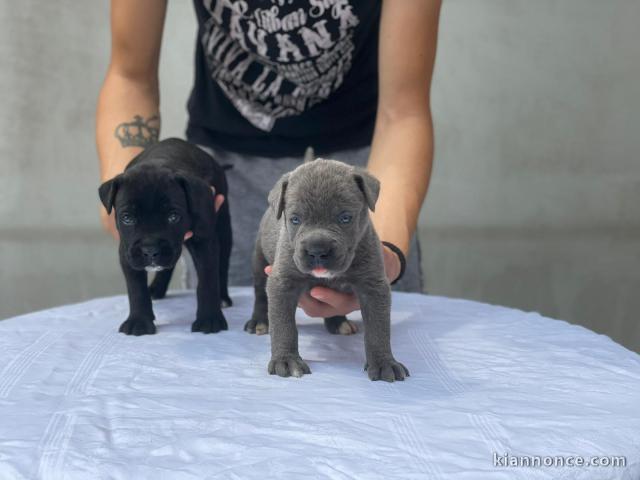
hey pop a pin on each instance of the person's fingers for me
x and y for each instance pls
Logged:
(316, 308)
(218, 201)
(325, 302)
(339, 300)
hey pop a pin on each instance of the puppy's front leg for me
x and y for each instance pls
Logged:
(209, 317)
(283, 296)
(375, 304)
(140, 321)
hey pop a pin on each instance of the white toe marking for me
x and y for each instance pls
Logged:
(347, 328)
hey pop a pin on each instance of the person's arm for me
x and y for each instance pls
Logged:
(128, 115)
(402, 148)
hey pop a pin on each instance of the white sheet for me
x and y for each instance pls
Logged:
(80, 401)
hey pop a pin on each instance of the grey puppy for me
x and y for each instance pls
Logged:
(317, 231)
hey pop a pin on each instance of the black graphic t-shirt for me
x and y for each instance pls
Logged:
(275, 76)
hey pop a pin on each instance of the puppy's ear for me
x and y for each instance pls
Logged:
(108, 191)
(200, 203)
(368, 185)
(276, 195)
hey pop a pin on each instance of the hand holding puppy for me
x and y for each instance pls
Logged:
(323, 302)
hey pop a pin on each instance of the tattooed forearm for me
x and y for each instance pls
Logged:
(140, 132)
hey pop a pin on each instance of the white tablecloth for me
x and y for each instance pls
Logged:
(80, 401)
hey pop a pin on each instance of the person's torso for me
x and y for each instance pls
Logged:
(274, 76)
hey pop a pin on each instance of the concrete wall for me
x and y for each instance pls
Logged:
(535, 199)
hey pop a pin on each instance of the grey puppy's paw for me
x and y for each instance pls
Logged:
(387, 369)
(259, 327)
(137, 327)
(288, 366)
(212, 324)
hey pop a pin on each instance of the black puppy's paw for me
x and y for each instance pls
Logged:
(340, 325)
(137, 327)
(226, 302)
(288, 366)
(211, 324)
(387, 369)
(259, 327)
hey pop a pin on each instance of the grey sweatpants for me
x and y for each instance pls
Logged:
(250, 181)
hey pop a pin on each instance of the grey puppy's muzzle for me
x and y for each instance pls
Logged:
(321, 254)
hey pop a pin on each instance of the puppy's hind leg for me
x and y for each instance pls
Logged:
(223, 231)
(259, 322)
(160, 284)
(340, 325)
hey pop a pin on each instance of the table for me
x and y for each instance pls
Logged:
(488, 385)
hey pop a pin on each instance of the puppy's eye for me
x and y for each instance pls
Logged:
(295, 219)
(127, 219)
(345, 218)
(173, 217)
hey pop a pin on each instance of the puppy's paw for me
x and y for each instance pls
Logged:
(288, 366)
(259, 327)
(211, 324)
(340, 325)
(387, 369)
(226, 302)
(137, 327)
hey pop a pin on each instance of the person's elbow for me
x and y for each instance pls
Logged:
(124, 79)
(140, 74)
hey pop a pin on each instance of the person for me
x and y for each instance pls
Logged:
(349, 78)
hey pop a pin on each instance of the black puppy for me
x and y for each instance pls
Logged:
(164, 193)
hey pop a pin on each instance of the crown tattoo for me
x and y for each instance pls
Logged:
(139, 132)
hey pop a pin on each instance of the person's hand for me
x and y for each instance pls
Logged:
(218, 200)
(392, 265)
(109, 222)
(325, 302)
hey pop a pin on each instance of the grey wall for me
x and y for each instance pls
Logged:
(535, 196)
(535, 199)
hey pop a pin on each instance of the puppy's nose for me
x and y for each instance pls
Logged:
(151, 253)
(318, 252)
